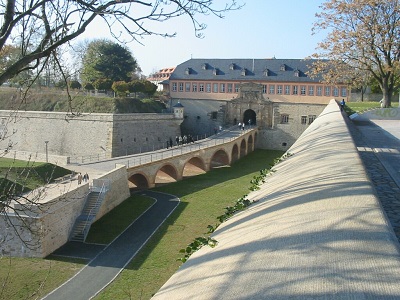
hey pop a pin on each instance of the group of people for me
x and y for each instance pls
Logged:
(241, 125)
(84, 178)
(180, 140)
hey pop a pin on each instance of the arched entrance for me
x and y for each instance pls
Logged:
(250, 115)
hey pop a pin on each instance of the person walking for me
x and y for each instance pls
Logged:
(79, 178)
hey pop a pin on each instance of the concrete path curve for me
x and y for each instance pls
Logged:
(105, 266)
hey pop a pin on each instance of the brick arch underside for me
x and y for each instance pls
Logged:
(235, 153)
(219, 159)
(166, 174)
(194, 166)
(243, 148)
(138, 181)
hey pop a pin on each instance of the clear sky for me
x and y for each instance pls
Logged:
(261, 29)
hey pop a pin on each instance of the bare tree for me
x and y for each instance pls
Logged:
(39, 27)
(364, 38)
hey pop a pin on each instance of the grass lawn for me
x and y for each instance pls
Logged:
(203, 198)
(25, 175)
(359, 107)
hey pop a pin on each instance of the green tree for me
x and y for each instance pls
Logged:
(74, 84)
(363, 37)
(106, 59)
(136, 86)
(40, 27)
(120, 88)
(149, 88)
(102, 84)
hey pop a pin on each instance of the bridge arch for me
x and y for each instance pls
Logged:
(194, 166)
(138, 181)
(243, 148)
(235, 153)
(219, 158)
(166, 174)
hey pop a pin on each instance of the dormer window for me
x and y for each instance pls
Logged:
(187, 71)
(244, 71)
(283, 67)
(204, 66)
(232, 66)
(215, 71)
(266, 72)
(297, 73)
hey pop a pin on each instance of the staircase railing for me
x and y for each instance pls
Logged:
(87, 219)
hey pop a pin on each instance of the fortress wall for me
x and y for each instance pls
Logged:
(51, 224)
(283, 136)
(135, 133)
(103, 135)
(118, 192)
(66, 136)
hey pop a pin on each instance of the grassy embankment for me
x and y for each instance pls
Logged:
(57, 101)
(203, 198)
(360, 107)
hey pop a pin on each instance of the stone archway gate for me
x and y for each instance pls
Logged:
(222, 149)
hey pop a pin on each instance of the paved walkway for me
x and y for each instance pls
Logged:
(377, 138)
(108, 262)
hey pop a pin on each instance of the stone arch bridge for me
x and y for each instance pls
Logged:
(176, 163)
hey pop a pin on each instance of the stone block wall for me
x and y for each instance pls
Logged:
(51, 223)
(74, 138)
(283, 135)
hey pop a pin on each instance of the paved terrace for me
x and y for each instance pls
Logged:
(318, 231)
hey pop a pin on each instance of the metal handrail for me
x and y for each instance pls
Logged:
(95, 207)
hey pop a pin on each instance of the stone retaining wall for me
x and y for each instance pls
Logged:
(70, 138)
(50, 223)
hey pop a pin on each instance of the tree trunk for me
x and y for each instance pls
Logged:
(386, 100)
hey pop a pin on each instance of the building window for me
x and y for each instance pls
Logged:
(311, 118)
(303, 119)
(194, 87)
(327, 91)
(279, 89)
(303, 90)
(335, 92)
(283, 67)
(201, 87)
(344, 92)
(222, 88)
(187, 87)
(287, 89)
(174, 86)
(272, 89)
(319, 91)
(295, 92)
(237, 87)
(264, 89)
(284, 118)
(208, 87)
(311, 90)
(230, 87)
(214, 115)
(181, 86)
(215, 88)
